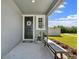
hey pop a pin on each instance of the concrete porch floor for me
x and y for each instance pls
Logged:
(29, 51)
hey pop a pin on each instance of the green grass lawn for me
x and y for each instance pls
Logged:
(68, 39)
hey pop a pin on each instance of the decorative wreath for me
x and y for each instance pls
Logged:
(28, 23)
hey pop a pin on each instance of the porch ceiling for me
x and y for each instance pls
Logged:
(39, 7)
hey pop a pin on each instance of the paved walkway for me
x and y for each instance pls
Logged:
(29, 51)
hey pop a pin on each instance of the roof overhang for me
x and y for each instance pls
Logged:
(55, 4)
(39, 7)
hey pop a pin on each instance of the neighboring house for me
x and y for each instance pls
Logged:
(24, 20)
(54, 31)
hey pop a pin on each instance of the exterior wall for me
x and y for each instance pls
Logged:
(11, 26)
(54, 31)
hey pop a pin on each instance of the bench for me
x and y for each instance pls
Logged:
(55, 49)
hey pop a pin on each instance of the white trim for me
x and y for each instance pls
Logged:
(28, 15)
(23, 27)
(33, 27)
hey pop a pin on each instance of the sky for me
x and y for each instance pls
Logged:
(65, 15)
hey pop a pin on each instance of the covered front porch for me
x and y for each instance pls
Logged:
(19, 38)
(37, 50)
(29, 51)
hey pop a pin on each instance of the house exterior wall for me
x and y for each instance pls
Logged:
(54, 31)
(11, 26)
